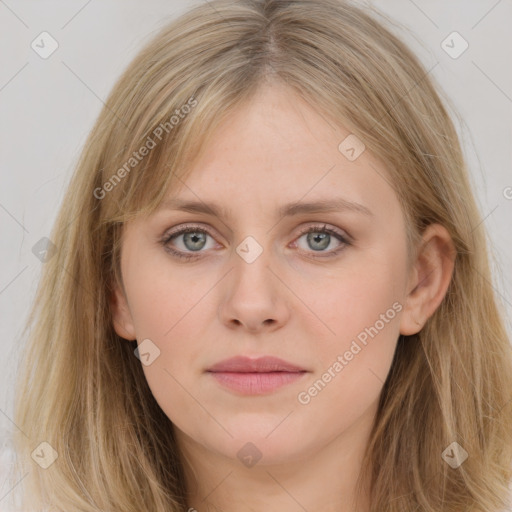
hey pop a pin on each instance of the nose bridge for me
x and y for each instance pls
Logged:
(251, 261)
(250, 250)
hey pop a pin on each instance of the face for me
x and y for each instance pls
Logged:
(251, 281)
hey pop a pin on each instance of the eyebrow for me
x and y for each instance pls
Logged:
(287, 210)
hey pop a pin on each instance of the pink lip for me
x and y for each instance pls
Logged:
(264, 364)
(255, 376)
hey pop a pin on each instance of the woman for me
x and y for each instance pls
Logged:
(270, 288)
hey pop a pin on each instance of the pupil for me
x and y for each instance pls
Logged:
(321, 238)
(194, 238)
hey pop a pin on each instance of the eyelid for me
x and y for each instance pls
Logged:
(183, 229)
(207, 229)
(192, 225)
(323, 226)
(342, 236)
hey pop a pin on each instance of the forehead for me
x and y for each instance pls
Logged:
(277, 148)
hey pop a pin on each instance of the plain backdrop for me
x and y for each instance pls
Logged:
(48, 106)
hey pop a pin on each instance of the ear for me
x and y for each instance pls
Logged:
(431, 274)
(121, 316)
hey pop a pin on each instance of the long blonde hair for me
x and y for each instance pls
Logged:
(82, 390)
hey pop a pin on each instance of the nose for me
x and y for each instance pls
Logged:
(253, 297)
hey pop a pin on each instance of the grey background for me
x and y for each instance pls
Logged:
(48, 106)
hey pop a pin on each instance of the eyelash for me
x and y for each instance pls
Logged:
(196, 229)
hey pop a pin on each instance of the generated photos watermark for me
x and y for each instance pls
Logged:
(305, 397)
(150, 143)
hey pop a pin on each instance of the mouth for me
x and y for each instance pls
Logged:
(255, 376)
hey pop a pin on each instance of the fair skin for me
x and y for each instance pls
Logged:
(286, 303)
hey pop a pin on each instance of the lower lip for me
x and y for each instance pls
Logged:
(256, 383)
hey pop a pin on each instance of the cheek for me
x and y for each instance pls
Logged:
(360, 310)
(342, 303)
(168, 308)
(162, 294)
(353, 365)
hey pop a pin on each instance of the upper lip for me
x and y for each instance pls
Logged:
(241, 364)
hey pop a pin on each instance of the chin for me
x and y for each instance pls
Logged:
(252, 447)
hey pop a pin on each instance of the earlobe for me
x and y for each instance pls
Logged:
(121, 316)
(430, 278)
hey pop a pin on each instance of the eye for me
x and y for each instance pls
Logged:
(319, 238)
(192, 239)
